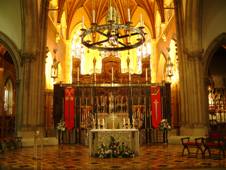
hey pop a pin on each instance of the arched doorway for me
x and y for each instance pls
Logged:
(9, 86)
(216, 73)
(8, 77)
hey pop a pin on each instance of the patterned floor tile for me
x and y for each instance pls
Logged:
(77, 157)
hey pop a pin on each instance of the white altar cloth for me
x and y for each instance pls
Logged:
(130, 137)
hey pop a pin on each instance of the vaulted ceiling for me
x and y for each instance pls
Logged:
(100, 6)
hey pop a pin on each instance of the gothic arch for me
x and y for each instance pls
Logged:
(212, 48)
(13, 51)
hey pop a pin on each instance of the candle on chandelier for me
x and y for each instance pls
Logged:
(111, 11)
(128, 15)
(141, 20)
(93, 16)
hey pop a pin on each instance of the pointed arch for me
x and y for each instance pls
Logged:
(212, 48)
(13, 51)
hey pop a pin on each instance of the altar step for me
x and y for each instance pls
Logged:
(28, 139)
(45, 141)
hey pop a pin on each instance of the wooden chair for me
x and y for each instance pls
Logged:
(188, 145)
(215, 141)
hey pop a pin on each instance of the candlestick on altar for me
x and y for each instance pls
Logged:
(98, 123)
(103, 123)
(93, 16)
(133, 123)
(141, 20)
(129, 123)
(95, 77)
(112, 74)
(146, 74)
(124, 122)
(129, 77)
(77, 74)
(113, 121)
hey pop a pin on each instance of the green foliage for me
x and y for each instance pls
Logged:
(164, 125)
(114, 150)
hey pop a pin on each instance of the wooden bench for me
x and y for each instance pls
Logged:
(215, 141)
(188, 145)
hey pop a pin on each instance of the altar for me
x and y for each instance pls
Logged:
(98, 137)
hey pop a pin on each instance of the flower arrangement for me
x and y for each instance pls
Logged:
(114, 150)
(164, 125)
(61, 125)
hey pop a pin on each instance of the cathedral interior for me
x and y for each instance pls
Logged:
(83, 80)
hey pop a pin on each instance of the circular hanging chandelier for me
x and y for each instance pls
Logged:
(112, 36)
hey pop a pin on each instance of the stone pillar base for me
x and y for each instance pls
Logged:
(198, 131)
(28, 138)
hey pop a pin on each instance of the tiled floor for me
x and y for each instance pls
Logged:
(153, 157)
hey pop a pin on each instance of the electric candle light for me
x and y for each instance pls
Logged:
(111, 12)
(93, 16)
(128, 15)
(141, 20)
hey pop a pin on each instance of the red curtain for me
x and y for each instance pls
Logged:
(69, 112)
(156, 106)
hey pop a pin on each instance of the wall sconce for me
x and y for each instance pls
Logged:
(54, 67)
(169, 68)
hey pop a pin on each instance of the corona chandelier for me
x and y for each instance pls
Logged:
(112, 36)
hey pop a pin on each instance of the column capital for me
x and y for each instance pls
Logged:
(27, 57)
(194, 53)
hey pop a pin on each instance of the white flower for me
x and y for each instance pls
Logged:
(164, 124)
(61, 126)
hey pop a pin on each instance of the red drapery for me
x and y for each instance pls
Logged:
(69, 111)
(156, 106)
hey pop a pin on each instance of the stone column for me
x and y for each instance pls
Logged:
(32, 82)
(193, 93)
(193, 108)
